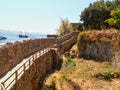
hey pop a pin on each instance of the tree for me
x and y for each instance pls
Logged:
(115, 18)
(94, 16)
(116, 3)
(63, 28)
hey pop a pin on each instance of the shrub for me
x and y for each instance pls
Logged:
(69, 65)
(45, 88)
(104, 76)
(81, 38)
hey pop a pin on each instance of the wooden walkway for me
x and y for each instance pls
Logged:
(14, 75)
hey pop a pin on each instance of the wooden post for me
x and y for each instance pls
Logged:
(24, 71)
(29, 66)
(36, 63)
(39, 53)
(16, 79)
(33, 63)
(33, 57)
(3, 86)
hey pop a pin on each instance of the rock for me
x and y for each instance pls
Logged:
(100, 46)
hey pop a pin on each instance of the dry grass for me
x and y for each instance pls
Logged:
(107, 36)
(83, 76)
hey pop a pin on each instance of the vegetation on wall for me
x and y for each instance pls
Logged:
(102, 36)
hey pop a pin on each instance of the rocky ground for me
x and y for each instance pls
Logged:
(81, 74)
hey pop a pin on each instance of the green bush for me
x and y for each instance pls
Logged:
(69, 65)
(104, 76)
(45, 88)
(81, 38)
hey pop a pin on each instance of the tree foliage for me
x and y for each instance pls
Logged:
(94, 16)
(63, 28)
(115, 18)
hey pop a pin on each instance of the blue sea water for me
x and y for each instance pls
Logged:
(12, 37)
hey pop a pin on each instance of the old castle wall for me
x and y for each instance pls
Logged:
(64, 43)
(13, 53)
(100, 45)
(32, 76)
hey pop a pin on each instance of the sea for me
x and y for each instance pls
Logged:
(14, 36)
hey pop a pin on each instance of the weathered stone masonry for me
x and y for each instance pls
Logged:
(64, 43)
(100, 46)
(13, 53)
(31, 78)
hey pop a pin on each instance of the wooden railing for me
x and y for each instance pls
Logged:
(7, 83)
(66, 37)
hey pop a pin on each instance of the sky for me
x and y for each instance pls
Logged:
(41, 16)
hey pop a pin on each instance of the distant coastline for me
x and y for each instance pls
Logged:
(14, 36)
(2, 38)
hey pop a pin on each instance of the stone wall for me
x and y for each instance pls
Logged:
(64, 43)
(65, 46)
(66, 37)
(13, 53)
(100, 46)
(50, 60)
(33, 76)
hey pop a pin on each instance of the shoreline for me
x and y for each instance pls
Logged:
(19, 41)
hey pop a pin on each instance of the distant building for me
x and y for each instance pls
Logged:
(52, 36)
(76, 26)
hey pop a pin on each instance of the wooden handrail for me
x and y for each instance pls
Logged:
(31, 61)
(17, 74)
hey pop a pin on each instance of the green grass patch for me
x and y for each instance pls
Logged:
(46, 88)
(103, 76)
(69, 65)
